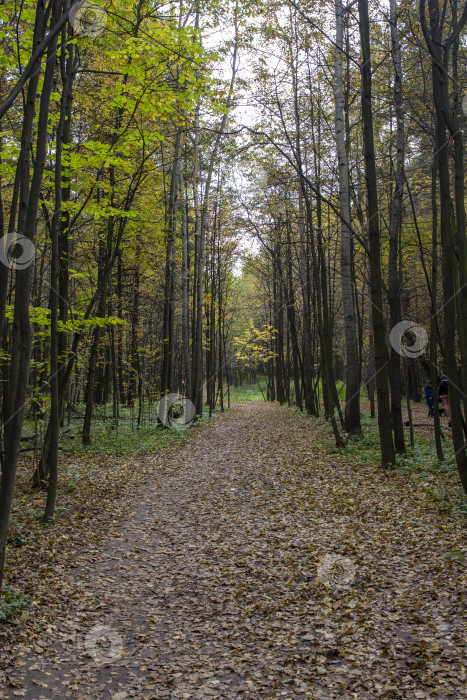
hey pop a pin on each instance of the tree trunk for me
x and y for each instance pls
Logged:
(56, 338)
(394, 235)
(185, 294)
(306, 293)
(167, 377)
(379, 336)
(293, 325)
(352, 394)
(434, 325)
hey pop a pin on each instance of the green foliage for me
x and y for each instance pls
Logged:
(11, 602)
(18, 535)
(72, 476)
(41, 318)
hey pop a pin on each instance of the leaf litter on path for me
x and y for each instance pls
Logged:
(253, 565)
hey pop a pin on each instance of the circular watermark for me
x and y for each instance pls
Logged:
(16, 251)
(87, 18)
(336, 571)
(104, 644)
(398, 339)
(176, 411)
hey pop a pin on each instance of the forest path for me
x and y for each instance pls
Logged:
(258, 567)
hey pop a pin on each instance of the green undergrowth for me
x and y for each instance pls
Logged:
(119, 437)
(248, 392)
(11, 602)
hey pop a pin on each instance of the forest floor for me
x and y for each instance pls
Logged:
(244, 562)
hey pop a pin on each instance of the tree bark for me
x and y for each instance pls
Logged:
(394, 235)
(352, 392)
(434, 325)
(379, 336)
(167, 378)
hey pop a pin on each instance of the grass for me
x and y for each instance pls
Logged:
(248, 392)
(252, 392)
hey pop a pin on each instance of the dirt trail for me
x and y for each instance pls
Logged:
(258, 568)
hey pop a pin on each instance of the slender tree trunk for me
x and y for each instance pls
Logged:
(121, 384)
(185, 295)
(379, 335)
(221, 339)
(104, 249)
(134, 351)
(434, 325)
(167, 377)
(394, 234)
(371, 382)
(90, 382)
(56, 338)
(279, 340)
(305, 288)
(296, 361)
(352, 401)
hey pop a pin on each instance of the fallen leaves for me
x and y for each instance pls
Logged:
(251, 567)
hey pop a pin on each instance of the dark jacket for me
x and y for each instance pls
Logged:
(443, 388)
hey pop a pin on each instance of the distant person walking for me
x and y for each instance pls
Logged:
(443, 394)
(429, 398)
